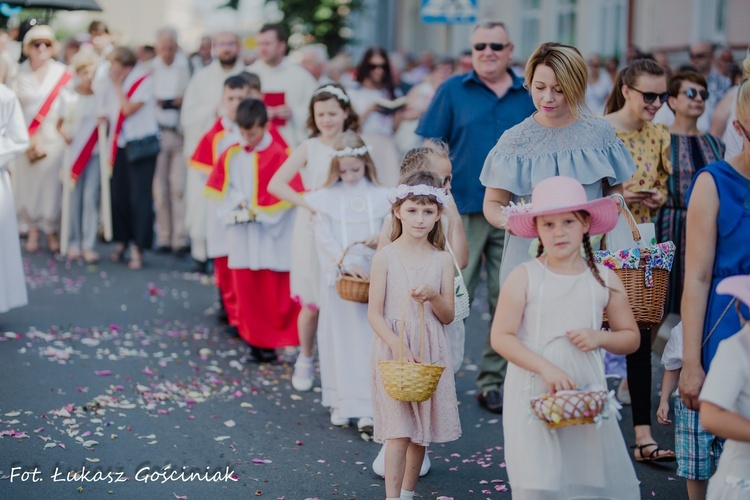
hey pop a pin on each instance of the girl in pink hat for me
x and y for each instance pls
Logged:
(548, 326)
(725, 401)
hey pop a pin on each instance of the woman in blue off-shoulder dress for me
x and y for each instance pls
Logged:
(561, 138)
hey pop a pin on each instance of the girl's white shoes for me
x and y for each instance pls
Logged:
(337, 419)
(304, 375)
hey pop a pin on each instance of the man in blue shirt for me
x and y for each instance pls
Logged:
(470, 112)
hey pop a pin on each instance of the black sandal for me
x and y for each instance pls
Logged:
(654, 455)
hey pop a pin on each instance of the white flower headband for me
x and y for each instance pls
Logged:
(404, 190)
(340, 94)
(347, 151)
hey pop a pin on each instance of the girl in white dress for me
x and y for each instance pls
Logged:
(547, 326)
(14, 139)
(350, 208)
(330, 115)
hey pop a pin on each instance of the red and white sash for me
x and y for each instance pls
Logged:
(121, 119)
(49, 100)
(82, 147)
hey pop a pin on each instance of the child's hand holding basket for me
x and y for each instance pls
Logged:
(410, 381)
(570, 407)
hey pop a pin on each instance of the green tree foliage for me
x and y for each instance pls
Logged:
(321, 21)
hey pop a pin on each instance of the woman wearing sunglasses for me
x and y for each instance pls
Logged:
(35, 175)
(374, 88)
(691, 150)
(639, 91)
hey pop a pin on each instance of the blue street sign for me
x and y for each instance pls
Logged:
(449, 11)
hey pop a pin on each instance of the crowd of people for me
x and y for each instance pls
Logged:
(294, 177)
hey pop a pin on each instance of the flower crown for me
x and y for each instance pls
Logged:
(404, 190)
(347, 151)
(340, 94)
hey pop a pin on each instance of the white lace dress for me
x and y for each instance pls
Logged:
(579, 461)
(588, 150)
(305, 270)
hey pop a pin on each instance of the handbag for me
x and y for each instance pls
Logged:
(141, 149)
(461, 302)
(622, 235)
(456, 331)
(643, 269)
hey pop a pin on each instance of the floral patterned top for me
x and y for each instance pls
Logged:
(650, 147)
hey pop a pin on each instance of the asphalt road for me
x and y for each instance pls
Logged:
(122, 384)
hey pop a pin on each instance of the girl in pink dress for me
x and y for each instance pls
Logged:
(413, 270)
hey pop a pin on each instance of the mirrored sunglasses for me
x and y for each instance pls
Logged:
(692, 93)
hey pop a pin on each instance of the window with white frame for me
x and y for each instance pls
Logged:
(710, 20)
(530, 20)
(566, 21)
(612, 28)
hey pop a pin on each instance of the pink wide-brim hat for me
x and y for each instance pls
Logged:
(736, 286)
(558, 195)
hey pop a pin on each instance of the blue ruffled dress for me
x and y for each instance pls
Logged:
(587, 150)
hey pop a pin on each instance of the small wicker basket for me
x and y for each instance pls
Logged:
(647, 303)
(350, 287)
(565, 408)
(410, 382)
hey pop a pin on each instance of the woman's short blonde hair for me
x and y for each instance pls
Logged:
(570, 70)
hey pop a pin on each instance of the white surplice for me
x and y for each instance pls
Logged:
(346, 214)
(265, 244)
(217, 242)
(14, 139)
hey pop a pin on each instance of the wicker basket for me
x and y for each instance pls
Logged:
(410, 382)
(350, 287)
(565, 408)
(647, 303)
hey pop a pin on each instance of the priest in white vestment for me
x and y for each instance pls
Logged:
(200, 108)
(287, 87)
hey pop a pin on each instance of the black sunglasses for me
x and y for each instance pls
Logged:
(39, 43)
(496, 47)
(650, 97)
(692, 93)
(375, 66)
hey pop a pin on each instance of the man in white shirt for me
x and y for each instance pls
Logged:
(287, 87)
(200, 107)
(171, 74)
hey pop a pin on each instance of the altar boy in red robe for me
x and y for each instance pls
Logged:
(259, 233)
(215, 141)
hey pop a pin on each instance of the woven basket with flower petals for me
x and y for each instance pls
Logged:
(350, 287)
(565, 408)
